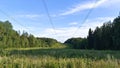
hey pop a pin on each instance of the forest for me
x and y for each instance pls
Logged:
(10, 38)
(100, 49)
(106, 37)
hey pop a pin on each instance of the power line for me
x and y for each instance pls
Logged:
(86, 17)
(48, 14)
(7, 15)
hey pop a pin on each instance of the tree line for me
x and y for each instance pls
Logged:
(105, 37)
(10, 38)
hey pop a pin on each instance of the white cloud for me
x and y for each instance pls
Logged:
(29, 16)
(73, 23)
(81, 7)
(112, 3)
(23, 28)
(29, 29)
(62, 34)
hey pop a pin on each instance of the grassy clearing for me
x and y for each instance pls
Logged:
(30, 48)
(58, 58)
(51, 62)
(67, 53)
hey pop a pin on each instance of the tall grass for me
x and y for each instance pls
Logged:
(51, 62)
(59, 58)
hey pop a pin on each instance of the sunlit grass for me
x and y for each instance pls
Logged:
(29, 48)
(58, 58)
(51, 62)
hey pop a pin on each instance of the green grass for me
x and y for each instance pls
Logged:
(58, 58)
(67, 53)
(51, 62)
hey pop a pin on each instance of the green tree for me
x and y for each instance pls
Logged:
(116, 35)
(77, 43)
(90, 39)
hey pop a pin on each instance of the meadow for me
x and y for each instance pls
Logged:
(58, 58)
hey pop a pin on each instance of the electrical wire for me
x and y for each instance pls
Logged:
(7, 15)
(86, 17)
(48, 14)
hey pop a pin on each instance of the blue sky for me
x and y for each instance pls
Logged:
(67, 16)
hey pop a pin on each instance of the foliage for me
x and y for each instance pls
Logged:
(106, 37)
(77, 43)
(59, 58)
(50, 62)
(10, 38)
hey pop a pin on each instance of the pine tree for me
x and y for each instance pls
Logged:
(90, 39)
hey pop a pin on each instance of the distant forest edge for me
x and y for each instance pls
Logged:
(106, 37)
(10, 38)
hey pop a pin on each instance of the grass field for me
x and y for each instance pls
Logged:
(58, 58)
